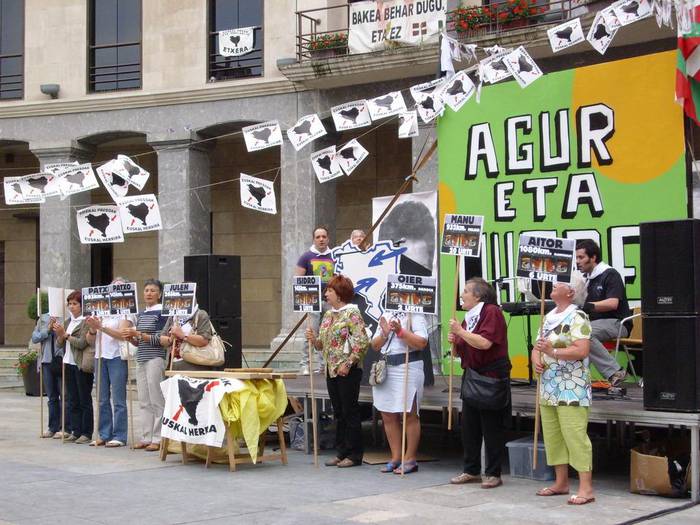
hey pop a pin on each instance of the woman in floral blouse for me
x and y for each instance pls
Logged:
(561, 357)
(343, 341)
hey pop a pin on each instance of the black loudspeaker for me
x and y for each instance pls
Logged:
(670, 267)
(229, 328)
(218, 279)
(671, 363)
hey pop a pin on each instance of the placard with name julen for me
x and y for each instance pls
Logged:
(411, 293)
(545, 258)
(179, 299)
(461, 234)
(307, 293)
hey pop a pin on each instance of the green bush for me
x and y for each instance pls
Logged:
(31, 305)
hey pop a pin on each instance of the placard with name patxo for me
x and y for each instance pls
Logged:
(123, 299)
(410, 293)
(307, 293)
(461, 234)
(179, 299)
(545, 258)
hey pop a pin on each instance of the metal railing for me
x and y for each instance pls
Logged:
(323, 32)
(117, 75)
(11, 84)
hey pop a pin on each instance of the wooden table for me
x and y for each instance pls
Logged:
(233, 458)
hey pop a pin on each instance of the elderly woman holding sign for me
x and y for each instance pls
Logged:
(113, 371)
(80, 365)
(481, 342)
(343, 341)
(150, 364)
(195, 330)
(398, 334)
(561, 356)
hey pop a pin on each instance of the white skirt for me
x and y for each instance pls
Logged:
(388, 397)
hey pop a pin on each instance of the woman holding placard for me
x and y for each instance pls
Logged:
(195, 330)
(481, 342)
(343, 340)
(150, 364)
(561, 356)
(397, 334)
(79, 365)
(113, 422)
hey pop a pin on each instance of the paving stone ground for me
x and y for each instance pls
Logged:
(43, 481)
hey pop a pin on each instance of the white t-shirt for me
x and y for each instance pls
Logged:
(68, 354)
(110, 345)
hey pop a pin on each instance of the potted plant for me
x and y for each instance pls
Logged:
(471, 19)
(26, 368)
(515, 13)
(328, 44)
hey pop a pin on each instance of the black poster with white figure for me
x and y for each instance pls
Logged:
(306, 290)
(96, 300)
(306, 130)
(140, 213)
(258, 194)
(179, 299)
(545, 258)
(99, 224)
(123, 299)
(262, 136)
(411, 293)
(351, 115)
(461, 235)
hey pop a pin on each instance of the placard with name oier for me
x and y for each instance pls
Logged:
(411, 293)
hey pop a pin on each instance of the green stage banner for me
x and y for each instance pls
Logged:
(583, 153)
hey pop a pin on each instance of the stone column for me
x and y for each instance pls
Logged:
(64, 261)
(185, 205)
(304, 204)
(428, 175)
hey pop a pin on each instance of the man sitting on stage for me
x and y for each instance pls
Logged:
(606, 306)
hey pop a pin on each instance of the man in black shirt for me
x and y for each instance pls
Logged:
(606, 306)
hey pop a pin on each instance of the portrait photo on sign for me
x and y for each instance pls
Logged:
(566, 35)
(140, 213)
(325, 164)
(77, 179)
(351, 115)
(411, 225)
(261, 136)
(258, 194)
(114, 178)
(351, 155)
(386, 105)
(306, 130)
(99, 224)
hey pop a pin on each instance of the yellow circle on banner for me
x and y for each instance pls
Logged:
(447, 202)
(649, 134)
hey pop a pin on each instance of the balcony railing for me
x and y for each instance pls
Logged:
(323, 32)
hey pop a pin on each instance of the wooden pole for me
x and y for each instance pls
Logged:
(364, 244)
(63, 372)
(131, 395)
(40, 358)
(99, 379)
(286, 339)
(172, 346)
(539, 379)
(405, 413)
(453, 349)
(314, 416)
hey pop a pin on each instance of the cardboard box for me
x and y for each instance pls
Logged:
(649, 469)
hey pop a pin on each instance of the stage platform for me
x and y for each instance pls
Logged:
(604, 410)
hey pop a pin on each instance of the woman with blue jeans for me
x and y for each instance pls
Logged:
(51, 374)
(113, 424)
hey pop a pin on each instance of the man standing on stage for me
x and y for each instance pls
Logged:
(316, 261)
(606, 306)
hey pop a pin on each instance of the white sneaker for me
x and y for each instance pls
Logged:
(304, 370)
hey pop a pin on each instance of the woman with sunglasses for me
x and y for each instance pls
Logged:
(561, 357)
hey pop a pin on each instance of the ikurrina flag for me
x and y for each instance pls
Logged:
(688, 69)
